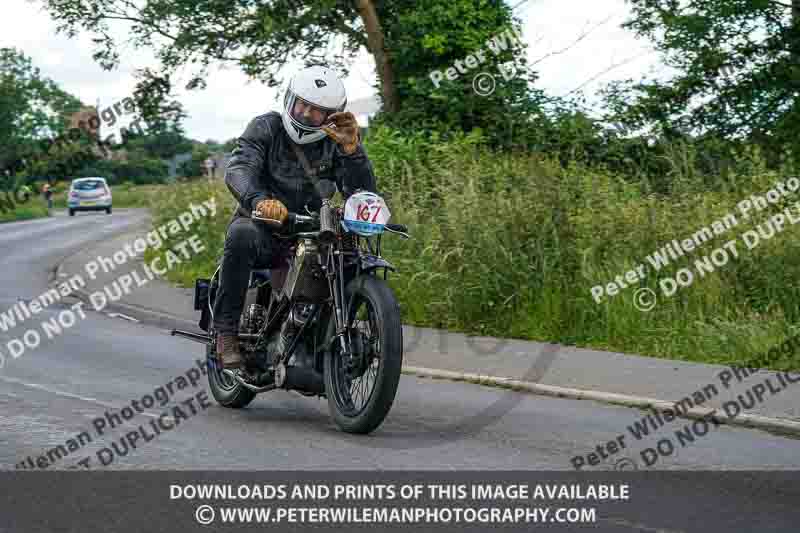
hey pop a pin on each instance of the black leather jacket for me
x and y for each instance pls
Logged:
(264, 165)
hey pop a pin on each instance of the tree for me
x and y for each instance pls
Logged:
(737, 65)
(409, 39)
(32, 108)
(435, 36)
(194, 167)
(261, 37)
(158, 131)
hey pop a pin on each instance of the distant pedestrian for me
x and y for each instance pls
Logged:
(47, 191)
(210, 165)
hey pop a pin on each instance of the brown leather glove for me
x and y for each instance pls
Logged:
(346, 134)
(273, 209)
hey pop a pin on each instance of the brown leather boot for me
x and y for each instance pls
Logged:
(228, 351)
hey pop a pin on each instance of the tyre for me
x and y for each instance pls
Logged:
(72, 212)
(108, 211)
(227, 391)
(362, 388)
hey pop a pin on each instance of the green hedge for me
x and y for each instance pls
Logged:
(137, 171)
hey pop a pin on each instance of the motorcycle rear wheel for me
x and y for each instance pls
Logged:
(371, 303)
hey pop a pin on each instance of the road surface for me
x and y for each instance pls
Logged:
(53, 393)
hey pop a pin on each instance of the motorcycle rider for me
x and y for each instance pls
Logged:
(273, 170)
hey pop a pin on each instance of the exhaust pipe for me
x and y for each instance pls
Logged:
(247, 385)
(304, 379)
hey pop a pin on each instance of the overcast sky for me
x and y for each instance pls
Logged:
(222, 110)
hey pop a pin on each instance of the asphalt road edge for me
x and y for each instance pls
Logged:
(777, 425)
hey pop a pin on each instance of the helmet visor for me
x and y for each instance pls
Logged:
(308, 114)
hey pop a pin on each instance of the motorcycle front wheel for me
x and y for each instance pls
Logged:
(361, 386)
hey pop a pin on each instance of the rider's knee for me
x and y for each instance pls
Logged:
(241, 238)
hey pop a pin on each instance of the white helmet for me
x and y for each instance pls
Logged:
(312, 96)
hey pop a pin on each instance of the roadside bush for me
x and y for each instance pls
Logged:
(142, 171)
(30, 210)
(136, 171)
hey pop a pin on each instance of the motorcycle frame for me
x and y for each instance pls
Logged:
(333, 261)
(366, 262)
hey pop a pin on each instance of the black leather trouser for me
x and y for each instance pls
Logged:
(248, 245)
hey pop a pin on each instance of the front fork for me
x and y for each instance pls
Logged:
(335, 273)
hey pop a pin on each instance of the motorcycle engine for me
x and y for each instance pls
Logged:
(280, 341)
(253, 318)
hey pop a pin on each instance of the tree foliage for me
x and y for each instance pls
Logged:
(736, 64)
(37, 138)
(408, 39)
(160, 116)
(431, 36)
(32, 107)
(260, 37)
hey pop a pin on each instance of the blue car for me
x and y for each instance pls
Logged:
(89, 194)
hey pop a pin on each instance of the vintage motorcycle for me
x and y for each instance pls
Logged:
(320, 321)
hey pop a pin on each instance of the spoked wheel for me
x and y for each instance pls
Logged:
(361, 386)
(227, 391)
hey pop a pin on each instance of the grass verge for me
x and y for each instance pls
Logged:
(123, 195)
(27, 211)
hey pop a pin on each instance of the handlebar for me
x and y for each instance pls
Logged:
(296, 218)
(293, 218)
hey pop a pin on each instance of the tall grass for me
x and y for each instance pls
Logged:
(170, 202)
(511, 245)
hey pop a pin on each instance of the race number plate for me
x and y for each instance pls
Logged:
(365, 213)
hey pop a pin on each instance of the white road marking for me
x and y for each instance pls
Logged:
(57, 392)
(123, 317)
(68, 394)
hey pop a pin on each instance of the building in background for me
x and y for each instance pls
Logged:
(87, 119)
